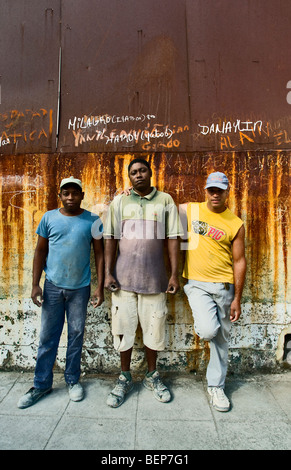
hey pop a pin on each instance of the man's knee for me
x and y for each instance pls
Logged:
(207, 332)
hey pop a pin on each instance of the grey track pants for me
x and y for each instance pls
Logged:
(210, 304)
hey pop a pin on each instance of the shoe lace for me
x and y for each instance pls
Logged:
(158, 384)
(220, 393)
(120, 387)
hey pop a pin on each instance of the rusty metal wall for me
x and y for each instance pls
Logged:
(193, 86)
(239, 74)
(131, 79)
(29, 76)
(171, 76)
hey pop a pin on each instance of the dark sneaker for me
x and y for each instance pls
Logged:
(117, 396)
(160, 391)
(32, 396)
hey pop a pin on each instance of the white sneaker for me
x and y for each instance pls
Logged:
(160, 391)
(76, 392)
(218, 398)
(117, 396)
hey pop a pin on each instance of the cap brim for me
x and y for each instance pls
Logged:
(70, 183)
(218, 185)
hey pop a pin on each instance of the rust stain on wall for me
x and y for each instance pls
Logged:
(259, 194)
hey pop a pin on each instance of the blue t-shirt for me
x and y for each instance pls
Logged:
(69, 246)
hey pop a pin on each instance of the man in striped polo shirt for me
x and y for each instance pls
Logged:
(136, 229)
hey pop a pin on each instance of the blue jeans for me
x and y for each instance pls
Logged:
(210, 304)
(56, 303)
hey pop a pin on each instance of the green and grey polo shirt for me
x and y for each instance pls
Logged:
(141, 224)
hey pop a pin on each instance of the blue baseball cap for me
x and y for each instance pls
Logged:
(217, 180)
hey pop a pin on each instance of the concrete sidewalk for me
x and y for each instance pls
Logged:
(260, 417)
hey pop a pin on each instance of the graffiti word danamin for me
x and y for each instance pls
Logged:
(228, 127)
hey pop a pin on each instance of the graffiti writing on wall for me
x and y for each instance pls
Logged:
(26, 125)
(236, 134)
(4, 142)
(228, 127)
(125, 129)
(15, 186)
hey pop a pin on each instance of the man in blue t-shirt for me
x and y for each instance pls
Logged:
(63, 251)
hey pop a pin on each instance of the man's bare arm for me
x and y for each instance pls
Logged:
(39, 259)
(173, 250)
(239, 272)
(98, 295)
(110, 257)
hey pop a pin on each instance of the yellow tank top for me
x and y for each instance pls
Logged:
(209, 254)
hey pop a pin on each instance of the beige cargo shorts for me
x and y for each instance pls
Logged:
(129, 308)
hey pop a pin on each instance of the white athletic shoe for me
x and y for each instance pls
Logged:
(76, 392)
(218, 398)
(117, 396)
(160, 391)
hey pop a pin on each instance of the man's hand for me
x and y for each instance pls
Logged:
(127, 191)
(35, 293)
(235, 310)
(173, 285)
(97, 298)
(111, 283)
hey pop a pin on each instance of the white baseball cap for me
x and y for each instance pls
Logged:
(71, 180)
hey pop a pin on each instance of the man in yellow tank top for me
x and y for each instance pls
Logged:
(215, 267)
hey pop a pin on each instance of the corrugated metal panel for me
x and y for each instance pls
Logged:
(29, 38)
(239, 68)
(124, 76)
(166, 75)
